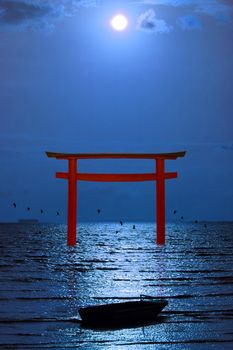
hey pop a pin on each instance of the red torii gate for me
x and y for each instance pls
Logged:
(159, 176)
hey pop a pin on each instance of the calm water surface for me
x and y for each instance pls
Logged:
(43, 283)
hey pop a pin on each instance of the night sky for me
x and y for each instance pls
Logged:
(70, 83)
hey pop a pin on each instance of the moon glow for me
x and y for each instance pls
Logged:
(119, 22)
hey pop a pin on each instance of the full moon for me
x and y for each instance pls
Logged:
(119, 22)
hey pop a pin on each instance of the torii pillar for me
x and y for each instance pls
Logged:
(159, 176)
(160, 200)
(72, 201)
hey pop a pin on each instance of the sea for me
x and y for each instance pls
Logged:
(43, 283)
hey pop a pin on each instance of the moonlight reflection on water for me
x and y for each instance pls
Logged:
(44, 282)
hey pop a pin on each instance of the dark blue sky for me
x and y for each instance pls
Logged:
(70, 83)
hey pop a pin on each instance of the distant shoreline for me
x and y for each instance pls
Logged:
(114, 222)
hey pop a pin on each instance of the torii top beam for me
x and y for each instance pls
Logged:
(172, 155)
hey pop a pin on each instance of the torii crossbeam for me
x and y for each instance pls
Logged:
(159, 176)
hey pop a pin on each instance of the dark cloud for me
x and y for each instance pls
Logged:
(147, 21)
(189, 23)
(37, 14)
(14, 12)
(29, 14)
(219, 9)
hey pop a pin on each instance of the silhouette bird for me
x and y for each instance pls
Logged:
(98, 210)
(196, 221)
(174, 211)
(28, 208)
(182, 218)
(205, 225)
(41, 211)
(134, 227)
(117, 231)
(14, 205)
(121, 222)
(58, 213)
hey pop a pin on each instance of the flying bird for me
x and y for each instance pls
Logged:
(134, 227)
(28, 208)
(58, 213)
(98, 210)
(41, 211)
(121, 222)
(174, 211)
(14, 205)
(182, 218)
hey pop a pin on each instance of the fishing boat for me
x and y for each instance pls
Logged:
(144, 310)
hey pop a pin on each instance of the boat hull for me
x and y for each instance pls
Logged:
(122, 313)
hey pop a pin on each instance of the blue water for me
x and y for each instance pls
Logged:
(43, 283)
